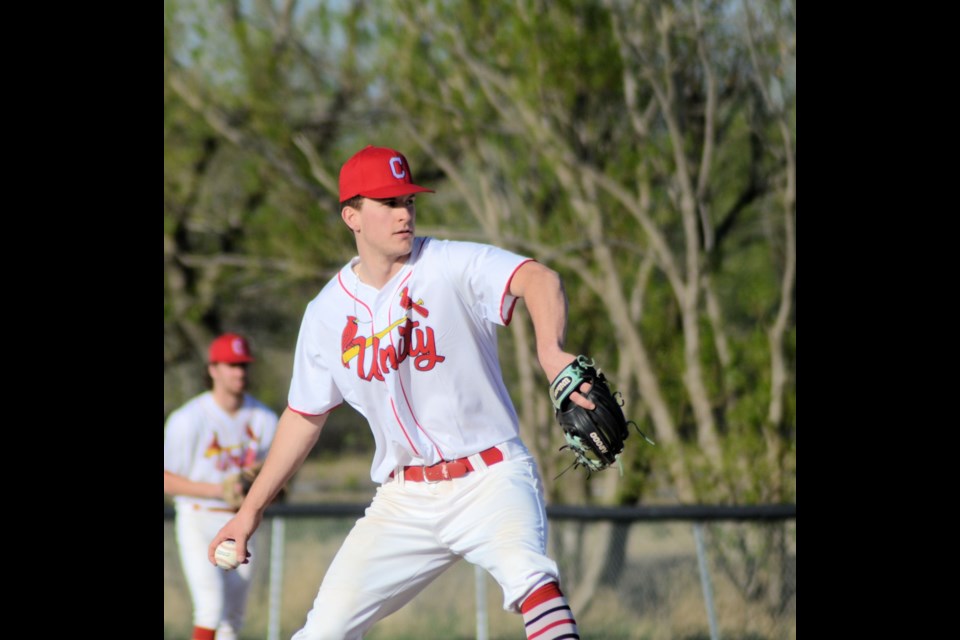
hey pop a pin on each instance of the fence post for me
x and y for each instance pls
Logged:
(277, 536)
(705, 580)
(480, 587)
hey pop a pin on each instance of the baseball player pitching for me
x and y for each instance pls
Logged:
(406, 333)
(209, 439)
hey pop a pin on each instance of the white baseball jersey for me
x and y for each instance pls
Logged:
(417, 358)
(204, 443)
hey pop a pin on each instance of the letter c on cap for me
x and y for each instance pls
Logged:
(396, 168)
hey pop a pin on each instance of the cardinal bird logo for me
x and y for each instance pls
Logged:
(240, 455)
(407, 303)
(348, 336)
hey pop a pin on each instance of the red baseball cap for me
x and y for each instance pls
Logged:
(377, 172)
(230, 348)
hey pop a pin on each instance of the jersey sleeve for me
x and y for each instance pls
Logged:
(312, 387)
(483, 275)
(178, 444)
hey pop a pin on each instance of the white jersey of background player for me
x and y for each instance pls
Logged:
(212, 436)
(406, 334)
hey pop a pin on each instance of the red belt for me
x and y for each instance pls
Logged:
(449, 469)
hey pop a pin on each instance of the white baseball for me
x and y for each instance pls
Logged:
(226, 555)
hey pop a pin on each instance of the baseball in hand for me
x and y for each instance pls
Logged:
(226, 555)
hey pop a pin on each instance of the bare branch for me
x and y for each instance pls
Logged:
(319, 173)
(709, 119)
(236, 260)
(219, 123)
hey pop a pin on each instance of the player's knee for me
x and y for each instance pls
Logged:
(331, 623)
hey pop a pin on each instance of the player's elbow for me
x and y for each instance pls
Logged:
(534, 276)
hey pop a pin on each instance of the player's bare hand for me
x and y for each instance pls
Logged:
(239, 529)
(582, 401)
(556, 362)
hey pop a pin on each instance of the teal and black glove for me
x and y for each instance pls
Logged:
(595, 436)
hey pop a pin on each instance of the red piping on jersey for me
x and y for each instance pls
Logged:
(506, 291)
(355, 298)
(400, 382)
(399, 422)
(404, 280)
(314, 415)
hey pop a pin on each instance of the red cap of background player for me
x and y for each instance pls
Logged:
(230, 348)
(377, 172)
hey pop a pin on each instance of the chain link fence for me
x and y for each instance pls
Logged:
(685, 573)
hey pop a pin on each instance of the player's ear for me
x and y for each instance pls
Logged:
(351, 217)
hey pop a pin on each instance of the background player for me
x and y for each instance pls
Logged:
(406, 333)
(211, 437)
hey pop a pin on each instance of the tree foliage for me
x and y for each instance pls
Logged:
(647, 151)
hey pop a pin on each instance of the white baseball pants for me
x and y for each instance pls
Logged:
(219, 597)
(493, 517)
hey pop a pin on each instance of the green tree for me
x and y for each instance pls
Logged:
(254, 114)
(645, 150)
(627, 144)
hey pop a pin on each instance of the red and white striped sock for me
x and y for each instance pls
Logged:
(202, 633)
(547, 615)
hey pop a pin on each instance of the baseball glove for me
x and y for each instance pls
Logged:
(236, 486)
(596, 437)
